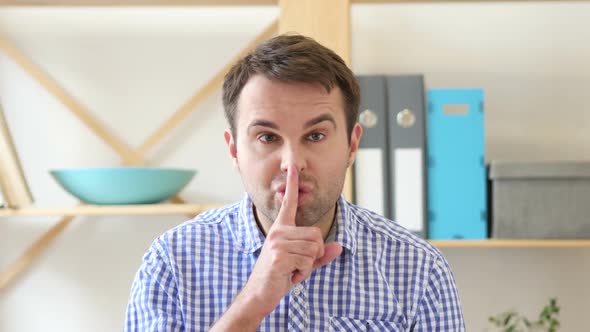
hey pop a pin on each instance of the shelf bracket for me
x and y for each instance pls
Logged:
(37, 248)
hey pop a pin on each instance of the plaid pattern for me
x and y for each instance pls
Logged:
(386, 279)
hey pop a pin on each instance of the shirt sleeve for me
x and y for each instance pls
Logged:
(440, 306)
(153, 302)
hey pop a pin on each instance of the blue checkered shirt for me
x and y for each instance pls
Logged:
(386, 279)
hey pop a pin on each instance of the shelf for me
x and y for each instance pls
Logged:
(79, 3)
(509, 243)
(166, 209)
(103, 210)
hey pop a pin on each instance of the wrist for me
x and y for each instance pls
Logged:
(251, 306)
(243, 314)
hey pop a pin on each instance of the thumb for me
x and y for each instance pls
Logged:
(331, 251)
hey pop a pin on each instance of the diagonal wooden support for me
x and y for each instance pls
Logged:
(212, 85)
(32, 252)
(129, 156)
(72, 104)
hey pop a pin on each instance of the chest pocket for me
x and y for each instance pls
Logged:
(345, 324)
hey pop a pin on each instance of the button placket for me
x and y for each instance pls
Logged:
(298, 309)
(297, 289)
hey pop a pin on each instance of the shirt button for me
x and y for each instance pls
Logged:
(297, 290)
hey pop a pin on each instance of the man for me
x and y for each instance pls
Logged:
(293, 254)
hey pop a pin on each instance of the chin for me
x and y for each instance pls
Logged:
(305, 217)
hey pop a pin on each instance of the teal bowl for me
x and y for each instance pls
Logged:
(123, 185)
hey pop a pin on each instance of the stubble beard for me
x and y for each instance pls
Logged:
(312, 212)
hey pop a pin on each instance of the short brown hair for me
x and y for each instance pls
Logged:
(292, 58)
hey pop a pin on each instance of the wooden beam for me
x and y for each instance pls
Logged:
(328, 22)
(211, 86)
(70, 102)
(79, 3)
(13, 270)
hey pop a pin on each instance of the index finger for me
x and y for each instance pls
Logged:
(288, 208)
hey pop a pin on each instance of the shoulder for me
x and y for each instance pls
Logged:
(211, 223)
(391, 233)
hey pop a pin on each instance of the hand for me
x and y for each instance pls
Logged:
(288, 256)
(289, 253)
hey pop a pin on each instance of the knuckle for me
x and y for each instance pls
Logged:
(320, 250)
(274, 245)
(316, 233)
(304, 263)
(313, 249)
(278, 257)
(275, 233)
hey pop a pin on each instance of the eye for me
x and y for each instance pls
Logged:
(267, 138)
(316, 137)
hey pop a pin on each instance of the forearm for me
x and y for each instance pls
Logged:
(242, 315)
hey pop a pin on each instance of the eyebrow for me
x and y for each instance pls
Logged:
(320, 118)
(262, 123)
(310, 123)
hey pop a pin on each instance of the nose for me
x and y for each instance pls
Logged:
(292, 154)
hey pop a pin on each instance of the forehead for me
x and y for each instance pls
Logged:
(290, 101)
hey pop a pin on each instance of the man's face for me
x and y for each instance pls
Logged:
(281, 124)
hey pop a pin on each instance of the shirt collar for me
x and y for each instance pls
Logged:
(345, 223)
(249, 237)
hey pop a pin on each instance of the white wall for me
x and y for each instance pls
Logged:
(132, 67)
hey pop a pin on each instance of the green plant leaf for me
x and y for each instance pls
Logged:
(527, 322)
(512, 321)
(508, 317)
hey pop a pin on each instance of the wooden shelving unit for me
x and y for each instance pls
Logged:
(305, 16)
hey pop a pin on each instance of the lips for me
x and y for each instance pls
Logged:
(303, 195)
(303, 188)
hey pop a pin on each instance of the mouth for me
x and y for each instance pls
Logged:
(302, 194)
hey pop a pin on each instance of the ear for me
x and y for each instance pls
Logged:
(231, 144)
(355, 138)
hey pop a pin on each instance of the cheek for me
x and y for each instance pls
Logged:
(330, 158)
(256, 165)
